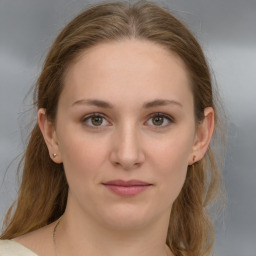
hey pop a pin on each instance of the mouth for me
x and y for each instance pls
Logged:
(127, 188)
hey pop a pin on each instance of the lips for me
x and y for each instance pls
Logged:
(127, 183)
(127, 188)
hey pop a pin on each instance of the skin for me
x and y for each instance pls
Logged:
(126, 142)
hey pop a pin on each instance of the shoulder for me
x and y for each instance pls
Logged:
(12, 248)
(34, 243)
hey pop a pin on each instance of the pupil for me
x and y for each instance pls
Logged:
(158, 120)
(97, 120)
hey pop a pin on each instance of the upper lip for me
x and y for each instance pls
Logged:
(127, 183)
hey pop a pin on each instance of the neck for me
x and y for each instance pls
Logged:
(81, 236)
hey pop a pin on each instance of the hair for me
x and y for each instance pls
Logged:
(43, 191)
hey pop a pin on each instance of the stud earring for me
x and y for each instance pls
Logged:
(194, 158)
(54, 155)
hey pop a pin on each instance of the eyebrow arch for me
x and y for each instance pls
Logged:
(94, 102)
(161, 102)
(104, 104)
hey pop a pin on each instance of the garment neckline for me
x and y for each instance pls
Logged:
(20, 246)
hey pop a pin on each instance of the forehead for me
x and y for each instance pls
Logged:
(127, 69)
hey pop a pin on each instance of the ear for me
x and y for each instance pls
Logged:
(49, 133)
(203, 136)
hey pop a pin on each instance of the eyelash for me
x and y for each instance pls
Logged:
(165, 116)
(158, 114)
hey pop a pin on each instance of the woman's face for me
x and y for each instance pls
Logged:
(126, 113)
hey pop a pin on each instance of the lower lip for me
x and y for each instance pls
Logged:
(127, 191)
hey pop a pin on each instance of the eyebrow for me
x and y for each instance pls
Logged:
(105, 104)
(161, 102)
(94, 102)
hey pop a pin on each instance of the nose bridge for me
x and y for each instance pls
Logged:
(128, 140)
(127, 150)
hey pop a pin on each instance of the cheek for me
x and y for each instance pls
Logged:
(171, 161)
(173, 152)
(82, 156)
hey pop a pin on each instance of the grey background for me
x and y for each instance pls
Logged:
(227, 31)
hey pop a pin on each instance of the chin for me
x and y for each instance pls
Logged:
(127, 218)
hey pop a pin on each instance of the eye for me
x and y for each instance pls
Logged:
(160, 120)
(95, 120)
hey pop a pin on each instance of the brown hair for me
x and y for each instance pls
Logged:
(43, 191)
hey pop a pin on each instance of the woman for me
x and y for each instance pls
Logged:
(120, 161)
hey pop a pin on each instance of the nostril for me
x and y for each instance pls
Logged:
(127, 152)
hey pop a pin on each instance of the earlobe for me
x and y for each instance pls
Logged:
(49, 133)
(203, 136)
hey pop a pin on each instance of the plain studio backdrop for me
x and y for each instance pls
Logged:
(226, 30)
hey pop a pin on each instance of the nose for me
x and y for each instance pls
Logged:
(127, 151)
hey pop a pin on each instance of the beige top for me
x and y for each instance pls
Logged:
(12, 248)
